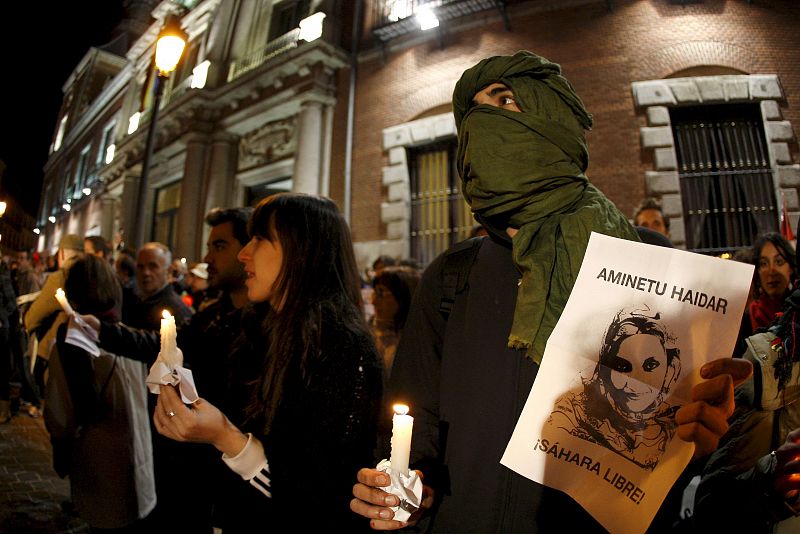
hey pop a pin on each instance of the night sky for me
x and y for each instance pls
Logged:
(56, 36)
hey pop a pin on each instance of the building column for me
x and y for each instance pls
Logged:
(187, 241)
(221, 184)
(308, 156)
(327, 146)
(130, 190)
(108, 208)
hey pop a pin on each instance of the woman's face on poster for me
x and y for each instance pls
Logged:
(638, 372)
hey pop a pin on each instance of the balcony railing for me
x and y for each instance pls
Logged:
(274, 48)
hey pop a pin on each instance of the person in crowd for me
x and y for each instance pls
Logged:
(205, 341)
(29, 399)
(177, 275)
(96, 245)
(8, 309)
(125, 269)
(521, 158)
(42, 318)
(393, 289)
(650, 214)
(381, 262)
(96, 413)
(478, 231)
(756, 466)
(652, 237)
(27, 280)
(776, 267)
(51, 264)
(302, 410)
(197, 278)
(154, 293)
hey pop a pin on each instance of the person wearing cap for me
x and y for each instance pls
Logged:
(521, 157)
(43, 318)
(197, 279)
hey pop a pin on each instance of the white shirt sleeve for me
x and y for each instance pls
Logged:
(251, 464)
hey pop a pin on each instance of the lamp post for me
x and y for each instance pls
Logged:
(169, 48)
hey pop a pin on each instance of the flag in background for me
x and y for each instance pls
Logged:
(786, 224)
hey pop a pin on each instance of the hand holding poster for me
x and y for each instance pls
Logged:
(599, 423)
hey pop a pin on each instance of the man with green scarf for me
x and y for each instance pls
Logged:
(522, 155)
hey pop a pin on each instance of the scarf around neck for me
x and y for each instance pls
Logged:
(526, 171)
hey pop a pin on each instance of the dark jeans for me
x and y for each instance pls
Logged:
(5, 364)
(20, 371)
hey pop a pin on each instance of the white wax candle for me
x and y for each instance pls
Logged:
(169, 341)
(62, 300)
(402, 424)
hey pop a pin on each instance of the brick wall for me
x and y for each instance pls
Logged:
(601, 51)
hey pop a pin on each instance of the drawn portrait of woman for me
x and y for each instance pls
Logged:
(622, 406)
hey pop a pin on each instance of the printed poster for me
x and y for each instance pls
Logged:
(599, 423)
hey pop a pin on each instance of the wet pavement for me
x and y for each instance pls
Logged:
(33, 499)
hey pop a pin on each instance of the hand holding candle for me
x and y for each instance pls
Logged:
(402, 424)
(61, 297)
(407, 486)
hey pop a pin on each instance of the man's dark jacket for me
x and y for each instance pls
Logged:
(466, 389)
(146, 312)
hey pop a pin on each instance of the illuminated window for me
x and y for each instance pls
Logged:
(439, 215)
(105, 143)
(165, 218)
(62, 127)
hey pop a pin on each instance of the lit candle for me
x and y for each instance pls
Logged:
(169, 341)
(62, 300)
(401, 439)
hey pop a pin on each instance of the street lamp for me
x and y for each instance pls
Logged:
(169, 48)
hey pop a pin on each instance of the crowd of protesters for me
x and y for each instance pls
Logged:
(291, 346)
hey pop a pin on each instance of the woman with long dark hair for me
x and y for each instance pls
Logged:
(306, 382)
(776, 270)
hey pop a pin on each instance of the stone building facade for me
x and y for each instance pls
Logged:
(363, 114)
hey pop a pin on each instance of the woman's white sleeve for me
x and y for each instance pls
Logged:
(251, 464)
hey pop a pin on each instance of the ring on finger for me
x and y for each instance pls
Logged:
(171, 413)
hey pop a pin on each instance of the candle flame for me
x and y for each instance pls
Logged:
(400, 409)
(165, 314)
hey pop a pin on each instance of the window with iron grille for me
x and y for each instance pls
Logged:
(725, 176)
(439, 215)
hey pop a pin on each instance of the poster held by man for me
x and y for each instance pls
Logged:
(599, 423)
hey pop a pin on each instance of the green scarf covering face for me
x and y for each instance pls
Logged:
(527, 169)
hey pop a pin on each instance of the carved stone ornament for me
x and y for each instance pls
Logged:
(271, 142)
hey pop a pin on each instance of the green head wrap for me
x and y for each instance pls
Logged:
(527, 170)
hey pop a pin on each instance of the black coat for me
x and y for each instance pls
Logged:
(466, 390)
